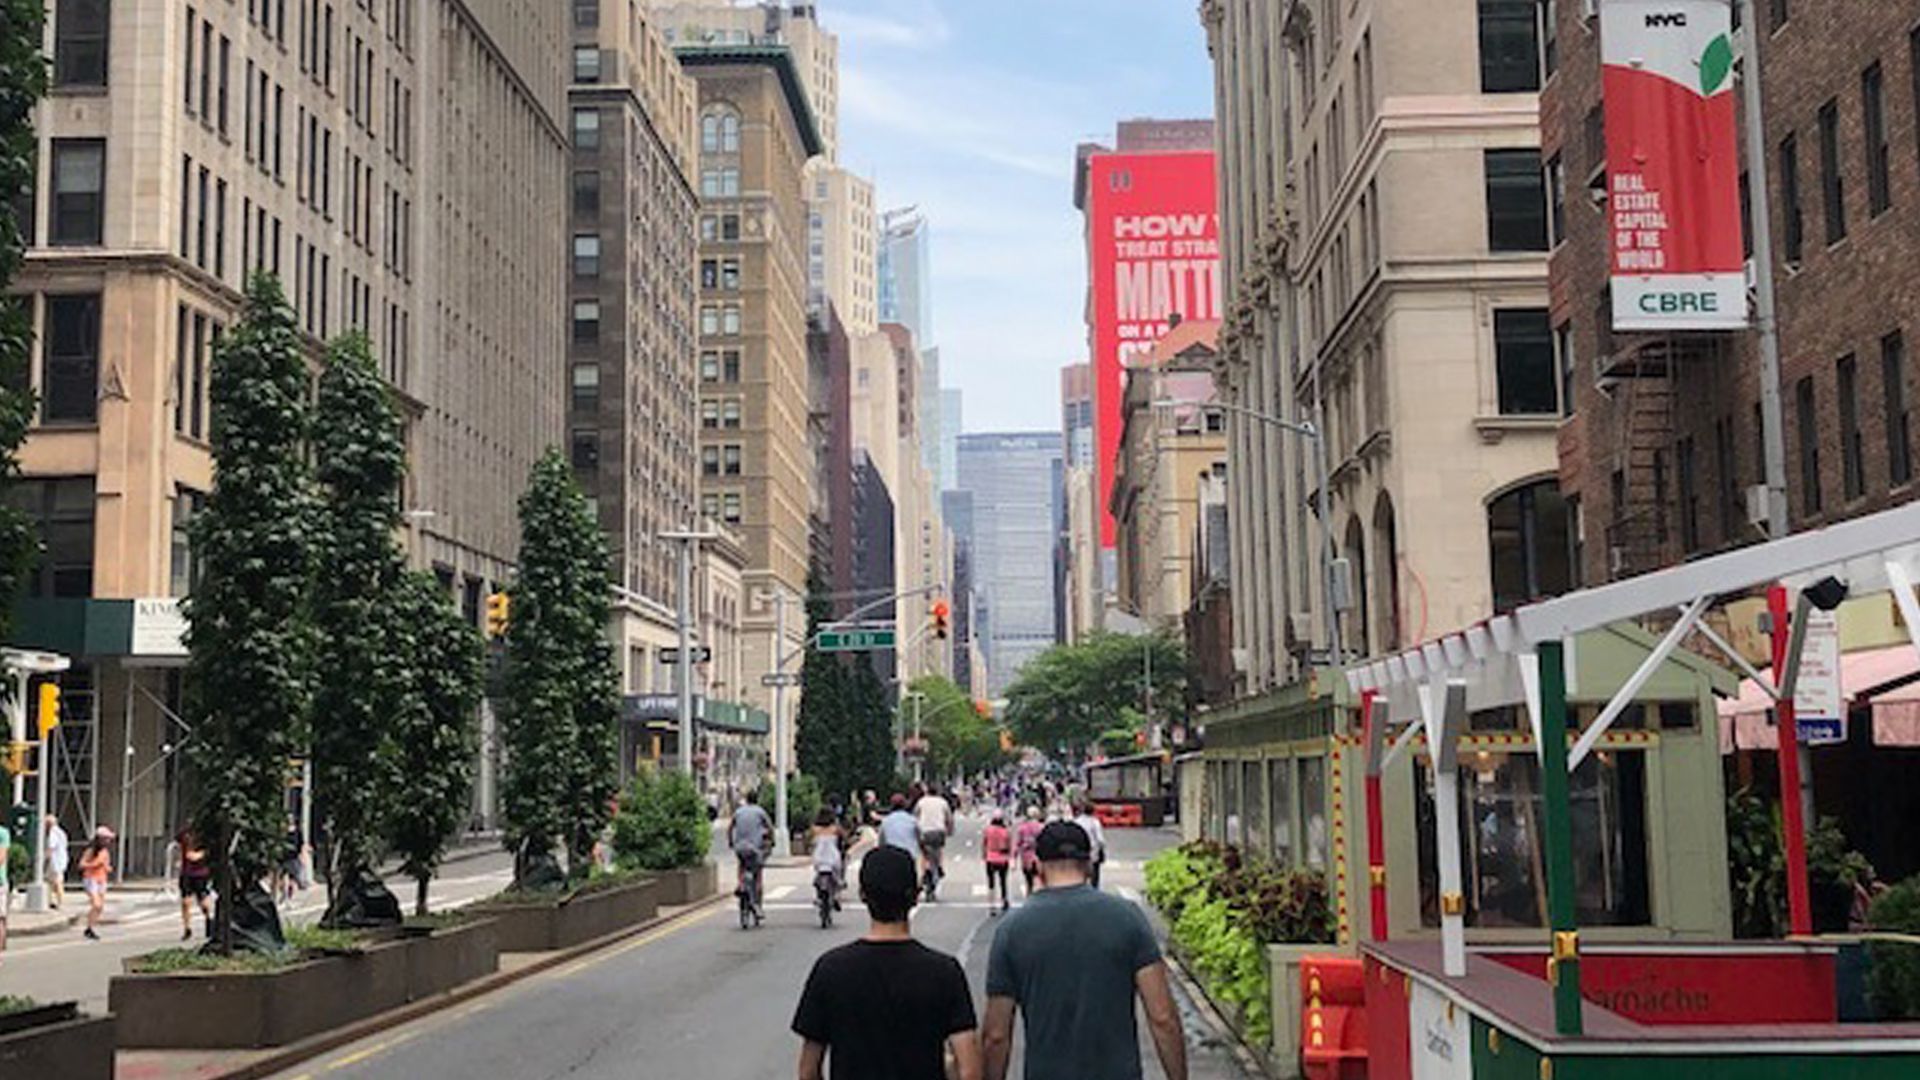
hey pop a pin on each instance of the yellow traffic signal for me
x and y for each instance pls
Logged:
(497, 608)
(49, 708)
(17, 758)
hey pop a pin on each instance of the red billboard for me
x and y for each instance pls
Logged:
(1153, 250)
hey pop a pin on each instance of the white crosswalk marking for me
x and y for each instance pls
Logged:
(780, 892)
(979, 890)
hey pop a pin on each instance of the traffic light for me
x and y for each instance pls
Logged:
(49, 708)
(940, 613)
(17, 758)
(497, 608)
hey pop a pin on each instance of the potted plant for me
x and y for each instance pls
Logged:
(661, 828)
(803, 803)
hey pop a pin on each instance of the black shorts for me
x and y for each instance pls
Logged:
(196, 886)
(933, 840)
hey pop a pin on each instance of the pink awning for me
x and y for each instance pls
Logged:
(1896, 713)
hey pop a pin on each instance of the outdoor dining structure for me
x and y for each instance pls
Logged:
(1665, 1008)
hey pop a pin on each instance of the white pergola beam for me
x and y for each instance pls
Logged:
(1902, 585)
(1629, 689)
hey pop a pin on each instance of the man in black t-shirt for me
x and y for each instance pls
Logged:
(887, 1007)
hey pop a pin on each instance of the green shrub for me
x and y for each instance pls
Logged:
(661, 823)
(19, 863)
(1893, 979)
(1230, 959)
(1278, 905)
(803, 802)
(11, 1003)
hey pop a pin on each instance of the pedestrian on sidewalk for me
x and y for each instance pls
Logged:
(996, 844)
(6, 884)
(1097, 833)
(887, 1007)
(196, 883)
(96, 864)
(1071, 962)
(55, 846)
(1024, 841)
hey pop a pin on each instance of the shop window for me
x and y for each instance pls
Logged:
(1313, 812)
(1280, 809)
(1253, 806)
(1230, 798)
(1501, 821)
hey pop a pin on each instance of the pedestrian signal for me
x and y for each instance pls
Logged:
(497, 609)
(49, 708)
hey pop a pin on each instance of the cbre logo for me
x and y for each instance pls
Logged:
(1659, 19)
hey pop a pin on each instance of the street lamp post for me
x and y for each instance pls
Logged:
(1323, 501)
(689, 542)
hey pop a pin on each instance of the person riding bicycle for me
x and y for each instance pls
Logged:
(829, 851)
(934, 815)
(751, 837)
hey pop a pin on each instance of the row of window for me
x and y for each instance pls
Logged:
(1876, 160)
(725, 505)
(720, 460)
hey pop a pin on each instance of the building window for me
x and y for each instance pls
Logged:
(710, 366)
(80, 43)
(730, 274)
(1527, 542)
(586, 14)
(586, 322)
(1832, 187)
(709, 414)
(586, 129)
(730, 460)
(1499, 798)
(1556, 201)
(26, 209)
(1776, 13)
(730, 507)
(79, 186)
(586, 255)
(1853, 465)
(1809, 423)
(1893, 395)
(720, 131)
(184, 568)
(1873, 112)
(586, 387)
(62, 513)
(1523, 358)
(1689, 478)
(585, 449)
(710, 461)
(586, 64)
(730, 319)
(1516, 201)
(709, 228)
(1509, 46)
(730, 414)
(709, 273)
(70, 369)
(720, 182)
(709, 319)
(1567, 361)
(586, 193)
(1727, 474)
(729, 227)
(730, 365)
(1792, 216)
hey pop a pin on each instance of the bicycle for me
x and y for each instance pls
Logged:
(825, 885)
(752, 914)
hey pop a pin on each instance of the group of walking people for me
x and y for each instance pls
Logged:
(55, 852)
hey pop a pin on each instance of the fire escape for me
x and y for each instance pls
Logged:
(1641, 375)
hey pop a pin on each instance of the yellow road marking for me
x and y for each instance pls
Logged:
(359, 1056)
(647, 938)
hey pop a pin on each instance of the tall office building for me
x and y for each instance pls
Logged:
(1014, 487)
(756, 135)
(951, 416)
(905, 269)
(842, 256)
(816, 53)
(634, 402)
(402, 168)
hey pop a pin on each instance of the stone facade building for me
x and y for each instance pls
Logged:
(401, 168)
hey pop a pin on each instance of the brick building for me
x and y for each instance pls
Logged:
(1663, 439)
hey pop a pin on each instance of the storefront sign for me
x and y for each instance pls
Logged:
(1720, 985)
(1819, 701)
(1442, 1036)
(1673, 171)
(159, 627)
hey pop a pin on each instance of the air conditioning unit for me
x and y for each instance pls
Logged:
(1757, 508)
(1242, 660)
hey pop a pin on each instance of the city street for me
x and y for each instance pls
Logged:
(63, 966)
(702, 997)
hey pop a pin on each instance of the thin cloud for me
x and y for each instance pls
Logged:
(927, 30)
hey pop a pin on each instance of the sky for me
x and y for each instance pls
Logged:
(970, 109)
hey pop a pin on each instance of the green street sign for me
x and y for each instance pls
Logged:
(854, 640)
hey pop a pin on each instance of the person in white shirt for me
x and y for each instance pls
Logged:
(1087, 820)
(57, 857)
(934, 815)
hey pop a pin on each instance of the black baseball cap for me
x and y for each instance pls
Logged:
(889, 872)
(1062, 840)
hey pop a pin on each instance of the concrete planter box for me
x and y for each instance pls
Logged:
(1283, 975)
(688, 885)
(56, 1043)
(543, 926)
(206, 1010)
(446, 957)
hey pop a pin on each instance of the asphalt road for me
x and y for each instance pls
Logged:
(702, 997)
(64, 966)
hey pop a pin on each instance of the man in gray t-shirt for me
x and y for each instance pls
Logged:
(1071, 961)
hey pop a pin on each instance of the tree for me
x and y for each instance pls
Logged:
(959, 739)
(820, 736)
(23, 79)
(367, 639)
(661, 823)
(869, 727)
(1067, 696)
(250, 636)
(561, 717)
(437, 741)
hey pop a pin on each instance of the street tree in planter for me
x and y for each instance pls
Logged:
(561, 715)
(366, 640)
(661, 823)
(23, 78)
(249, 631)
(436, 742)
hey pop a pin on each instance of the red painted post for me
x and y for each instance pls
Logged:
(1375, 743)
(1792, 824)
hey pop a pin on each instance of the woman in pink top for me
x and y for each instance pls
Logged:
(1024, 840)
(998, 848)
